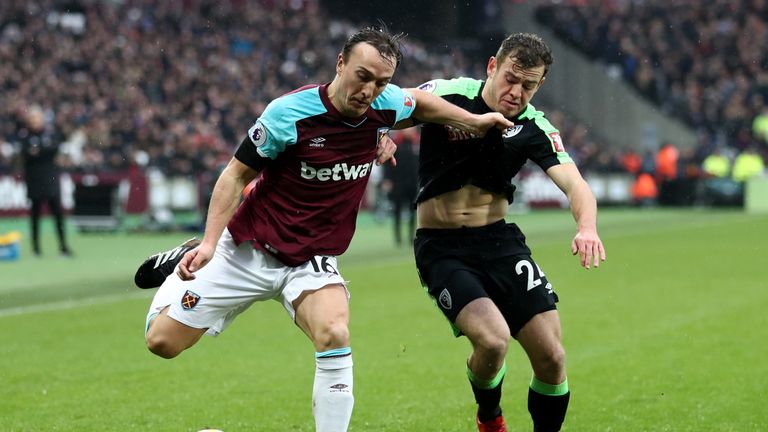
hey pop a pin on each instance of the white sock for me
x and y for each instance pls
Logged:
(332, 398)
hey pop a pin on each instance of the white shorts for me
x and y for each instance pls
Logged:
(235, 278)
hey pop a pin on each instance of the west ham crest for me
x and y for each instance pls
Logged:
(189, 300)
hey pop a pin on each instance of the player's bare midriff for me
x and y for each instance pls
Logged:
(469, 206)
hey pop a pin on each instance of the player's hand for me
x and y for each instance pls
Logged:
(483, 122)
(589, 247)
(386, 151)
(193, 261)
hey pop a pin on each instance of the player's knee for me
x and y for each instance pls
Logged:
(162, 346)
(334, 334)
(551, 365)
(493, 344)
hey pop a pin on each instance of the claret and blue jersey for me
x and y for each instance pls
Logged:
(315, 164)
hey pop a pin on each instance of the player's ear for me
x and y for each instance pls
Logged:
(541, 83)
(491, 66)
(339, 64)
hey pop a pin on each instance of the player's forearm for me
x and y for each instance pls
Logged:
(224, 202)
(583, 206)
(434, 109)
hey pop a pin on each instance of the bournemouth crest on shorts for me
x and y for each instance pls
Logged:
(189, 300)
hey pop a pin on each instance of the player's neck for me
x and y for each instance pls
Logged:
(337, 100)
(333, 96)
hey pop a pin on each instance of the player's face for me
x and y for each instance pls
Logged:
(510, 87)
(361, 79)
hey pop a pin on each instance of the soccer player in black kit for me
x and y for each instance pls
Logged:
(38, 148)
(477, 266)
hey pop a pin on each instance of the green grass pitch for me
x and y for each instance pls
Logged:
(669, 334)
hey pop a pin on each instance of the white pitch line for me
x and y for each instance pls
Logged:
(70, 304)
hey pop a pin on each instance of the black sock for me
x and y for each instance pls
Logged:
(487, 394)
(488, 400)
(547, 411)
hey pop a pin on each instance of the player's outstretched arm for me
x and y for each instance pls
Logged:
(586, 243)
(224, 202)
(434, 109)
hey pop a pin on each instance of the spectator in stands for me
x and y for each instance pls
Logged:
(748, 164)
(760, 125)
(631, 161)
(666, 163)
(644, 190)
(717, 164)
(701, 62)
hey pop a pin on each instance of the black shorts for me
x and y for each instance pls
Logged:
(457, 266)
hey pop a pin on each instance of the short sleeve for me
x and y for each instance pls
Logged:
(276, 128)
(396, 99)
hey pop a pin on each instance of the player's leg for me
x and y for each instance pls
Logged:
(34, 219)
(54, 204)
(397, 212)
(442, 258)
(324, 316)
(167, 337)
(182, 311)
(548, 394)
(316, 297)
(487, 331)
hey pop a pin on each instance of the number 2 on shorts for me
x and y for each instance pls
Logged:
(532, 283)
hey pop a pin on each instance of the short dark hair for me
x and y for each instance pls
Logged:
(388, 45)
(528, 49)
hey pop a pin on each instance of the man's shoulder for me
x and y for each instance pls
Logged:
(295, 99)
(294, 106)
(462, 86)
(538, 119)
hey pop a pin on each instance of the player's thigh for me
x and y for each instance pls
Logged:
(236, 277)
(541, 334)
(166, 330)
(323, 315)
(540, 337)
(482, 322)
(316, 297)
(454, 286)
(520, 289)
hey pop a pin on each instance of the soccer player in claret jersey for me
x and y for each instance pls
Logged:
(314, 148)
(476, 266)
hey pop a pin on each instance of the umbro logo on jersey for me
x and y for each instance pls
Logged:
(317, 142)
(514, 130)
(338, 172)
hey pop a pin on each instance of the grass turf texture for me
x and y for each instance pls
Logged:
(668, 335)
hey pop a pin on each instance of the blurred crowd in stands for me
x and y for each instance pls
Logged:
(133, 84)
(175, 85)
(702, 62)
